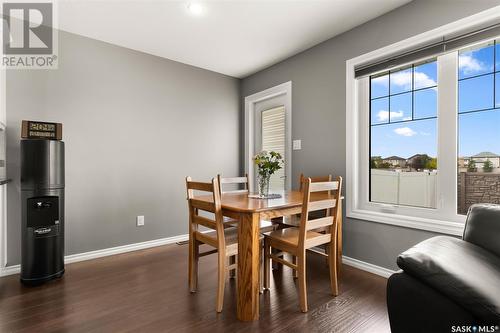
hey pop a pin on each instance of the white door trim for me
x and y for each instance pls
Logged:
(3, 225)
(3, 188)
(250, 101)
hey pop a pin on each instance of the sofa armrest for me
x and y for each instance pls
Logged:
(483, 227)
(466, 273)
(414, 307)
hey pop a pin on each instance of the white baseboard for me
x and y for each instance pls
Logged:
(122, 249)
(72, 258)
(9, 270)
(366, 266)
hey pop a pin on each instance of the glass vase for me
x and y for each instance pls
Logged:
(264, 186)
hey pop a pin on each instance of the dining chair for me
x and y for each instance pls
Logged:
(296, 240)
(224, 240)
(240, 185)
(294, 220)
(239, 182)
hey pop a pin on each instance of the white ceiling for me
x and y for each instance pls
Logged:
(235, 38)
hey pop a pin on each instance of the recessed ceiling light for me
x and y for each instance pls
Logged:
(195, 8)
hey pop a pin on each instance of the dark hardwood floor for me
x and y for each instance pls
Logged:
(147, 291)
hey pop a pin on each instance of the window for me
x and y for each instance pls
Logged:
(423, 136)
(273, 139)
(478, 126)
(403, 137)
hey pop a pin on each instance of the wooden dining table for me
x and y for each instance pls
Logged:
(249, 211)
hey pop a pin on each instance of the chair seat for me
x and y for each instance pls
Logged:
(290, 237)
(230, 235)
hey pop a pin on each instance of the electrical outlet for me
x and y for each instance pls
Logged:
(140, 220)
(297, 144)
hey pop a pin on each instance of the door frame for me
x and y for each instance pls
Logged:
(3, 188)
(250, 101)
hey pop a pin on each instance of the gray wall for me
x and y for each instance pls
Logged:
(318, 99)
(134, 125)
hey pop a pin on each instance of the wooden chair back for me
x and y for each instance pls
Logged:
(317, 179)
(234, 181)
(330, 193)
(214, 207)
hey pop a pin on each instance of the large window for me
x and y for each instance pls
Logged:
(403, 141)
(404, 124)
(478, 126)
(423, 143)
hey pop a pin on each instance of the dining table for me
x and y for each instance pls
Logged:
(249, 211)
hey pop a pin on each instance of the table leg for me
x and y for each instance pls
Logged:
(248, 267)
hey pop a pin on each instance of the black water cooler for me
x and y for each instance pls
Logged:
(42, 195)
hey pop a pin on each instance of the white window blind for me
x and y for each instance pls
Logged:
(273, 139)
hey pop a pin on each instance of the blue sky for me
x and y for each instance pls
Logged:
(478, 131)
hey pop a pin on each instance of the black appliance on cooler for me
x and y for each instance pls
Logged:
(42, 195)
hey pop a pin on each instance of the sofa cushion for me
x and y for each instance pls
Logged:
(483, 227)
(462, 271)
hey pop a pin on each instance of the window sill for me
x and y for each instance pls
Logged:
(439, 226)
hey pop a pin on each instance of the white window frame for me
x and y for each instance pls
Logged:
(444, 218)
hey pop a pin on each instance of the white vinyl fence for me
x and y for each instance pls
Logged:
(404, 188)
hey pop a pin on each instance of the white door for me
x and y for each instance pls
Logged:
(268, 127)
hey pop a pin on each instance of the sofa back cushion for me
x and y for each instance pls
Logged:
(483, 227)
